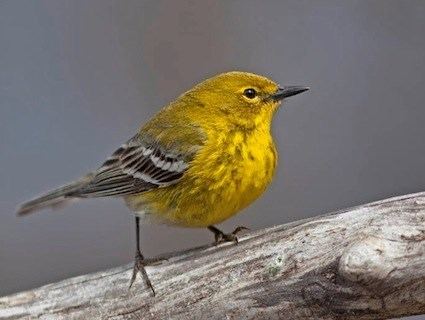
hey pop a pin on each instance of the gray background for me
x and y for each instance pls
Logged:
(78, 77)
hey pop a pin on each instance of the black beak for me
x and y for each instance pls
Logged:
(289, 91)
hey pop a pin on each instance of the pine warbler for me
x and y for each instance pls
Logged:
(199, 161)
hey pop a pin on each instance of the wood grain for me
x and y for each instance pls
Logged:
(366, 262)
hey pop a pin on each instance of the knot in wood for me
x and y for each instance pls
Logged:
(367, 261)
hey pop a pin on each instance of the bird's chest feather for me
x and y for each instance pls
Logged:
(229, 172)
(243, 166)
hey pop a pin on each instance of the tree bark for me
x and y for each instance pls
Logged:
(366, 262)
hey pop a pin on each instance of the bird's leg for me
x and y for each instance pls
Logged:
(220, 236)
(139, 261)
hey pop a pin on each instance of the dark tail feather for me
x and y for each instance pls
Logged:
(55, 198)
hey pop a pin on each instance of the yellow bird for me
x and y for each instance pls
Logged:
(199, 161)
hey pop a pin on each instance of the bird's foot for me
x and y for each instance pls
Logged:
(220, 236)
(139, 266)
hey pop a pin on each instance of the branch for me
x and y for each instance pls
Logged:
(366, 262)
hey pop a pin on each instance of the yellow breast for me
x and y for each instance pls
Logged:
(230, 171)
(229, 180)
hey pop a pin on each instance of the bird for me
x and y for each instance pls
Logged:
(199, 161)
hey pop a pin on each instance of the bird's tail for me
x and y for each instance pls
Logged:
(55, 198)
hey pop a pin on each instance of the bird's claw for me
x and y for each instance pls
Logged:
(228, 237)
(139, 266)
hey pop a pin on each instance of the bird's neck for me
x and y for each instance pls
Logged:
(259, 122)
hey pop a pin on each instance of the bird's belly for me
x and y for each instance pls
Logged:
(211, 194)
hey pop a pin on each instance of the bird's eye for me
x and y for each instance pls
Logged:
(250, 93)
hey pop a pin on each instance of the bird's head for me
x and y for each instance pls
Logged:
(241, 95)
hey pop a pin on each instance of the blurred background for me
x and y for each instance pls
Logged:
(78, 77)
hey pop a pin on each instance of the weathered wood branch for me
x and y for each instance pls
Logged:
(366, 262)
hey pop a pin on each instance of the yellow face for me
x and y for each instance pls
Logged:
(242, 98)
(237, 93)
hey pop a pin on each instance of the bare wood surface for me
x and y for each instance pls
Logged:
(366, 262)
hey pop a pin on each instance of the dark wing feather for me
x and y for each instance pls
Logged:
(135, 167)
